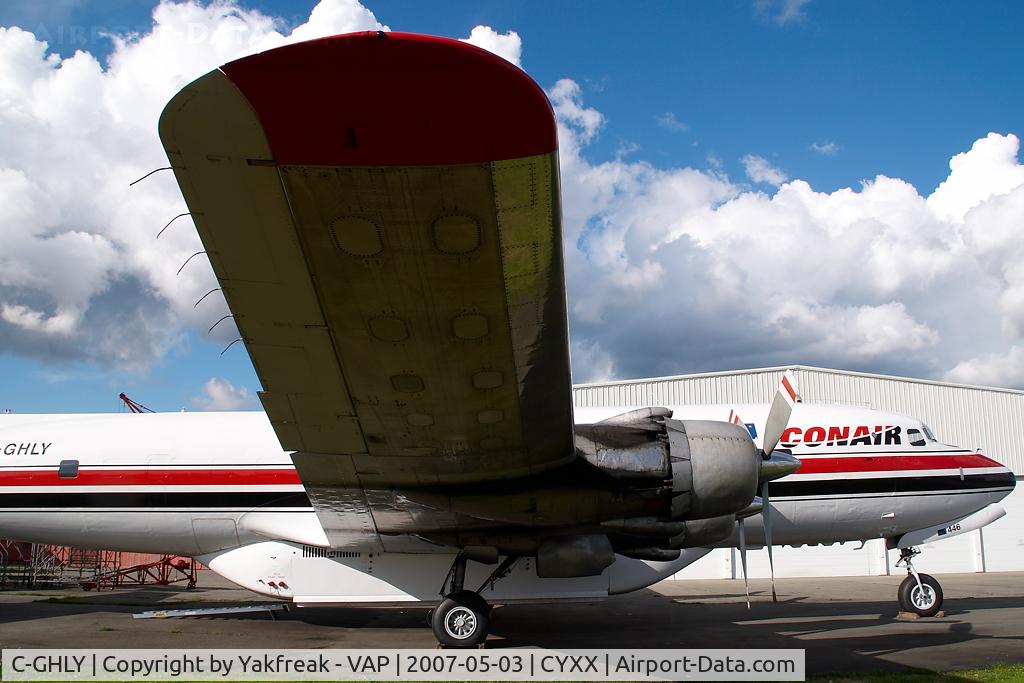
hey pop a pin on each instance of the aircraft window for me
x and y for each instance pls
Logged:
(928, 433)
(68, 469)
(916, 439)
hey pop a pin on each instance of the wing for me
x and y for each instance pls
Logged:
(382, 214)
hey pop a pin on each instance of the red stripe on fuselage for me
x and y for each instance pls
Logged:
(152, 477)
(288, 476)
(893, 463)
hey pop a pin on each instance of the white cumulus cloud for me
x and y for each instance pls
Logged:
(668, 121)
(829, 149)
(668, 269)
(782, 12)
(220, 394)
(80, 270)
(994, 370)
(760, 170)
(679, 269)
(506, 45)
(989, 169)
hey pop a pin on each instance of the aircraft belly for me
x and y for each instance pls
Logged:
(795, 522)
(911, 514)
(134, 531)
(313, 576)
(184, 532)
(811, 521)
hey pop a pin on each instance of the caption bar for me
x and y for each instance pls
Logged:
(527, 664)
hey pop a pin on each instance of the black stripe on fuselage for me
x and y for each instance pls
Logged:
(890, 485)
(256, 499)
(156, 499)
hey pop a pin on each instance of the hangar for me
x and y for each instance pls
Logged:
(987, 418)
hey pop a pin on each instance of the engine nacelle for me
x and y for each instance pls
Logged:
(700, 533)
(715, 468)
(708, 468)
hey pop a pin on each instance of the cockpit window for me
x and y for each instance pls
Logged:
(915, 437)
(928, 433)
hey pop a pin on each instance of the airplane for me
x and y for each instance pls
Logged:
(382, 213)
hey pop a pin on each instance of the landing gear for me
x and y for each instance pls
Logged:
(463, 618)
(919, 593)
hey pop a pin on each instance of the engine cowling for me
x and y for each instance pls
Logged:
(709, 468)
(715, 468)
(703, 532)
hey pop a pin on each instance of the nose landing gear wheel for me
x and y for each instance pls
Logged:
(461, 620)
(924, 600)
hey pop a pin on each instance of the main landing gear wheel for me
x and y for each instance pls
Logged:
(461, 620)
(924, 600)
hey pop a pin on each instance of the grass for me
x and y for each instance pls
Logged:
(998, 673)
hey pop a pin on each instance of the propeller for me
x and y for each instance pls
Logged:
(754, 508)
(766, 515)
(773, 466)
(743, 561)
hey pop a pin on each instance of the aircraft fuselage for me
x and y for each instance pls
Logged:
(218, 486)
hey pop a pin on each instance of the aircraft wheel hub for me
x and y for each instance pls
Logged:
(923, 596)
(460, 622)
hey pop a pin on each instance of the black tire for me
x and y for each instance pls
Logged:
(911, 598)
(473, 600)
(461, 620)
(903, 591)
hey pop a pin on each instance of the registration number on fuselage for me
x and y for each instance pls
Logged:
(32, 448)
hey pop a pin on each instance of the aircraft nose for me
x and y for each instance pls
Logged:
(998, 475)
(1007, 479)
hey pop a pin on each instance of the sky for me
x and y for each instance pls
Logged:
(745, 184)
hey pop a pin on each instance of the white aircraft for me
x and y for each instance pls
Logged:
(382, 213)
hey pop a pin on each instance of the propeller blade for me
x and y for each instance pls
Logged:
(766, 515)
(754, 508)
(778, 415)
(743, 561)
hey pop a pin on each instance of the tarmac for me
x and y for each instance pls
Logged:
(846, 625)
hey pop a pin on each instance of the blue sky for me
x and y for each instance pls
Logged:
(830, 93)
(897, 86)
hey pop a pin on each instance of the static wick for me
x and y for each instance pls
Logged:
(230, 345)
(215, 289)
(219, 322)
(187, 260)
(155, 170)
(187, 213)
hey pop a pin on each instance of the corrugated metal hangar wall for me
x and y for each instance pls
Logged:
(988, 418)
